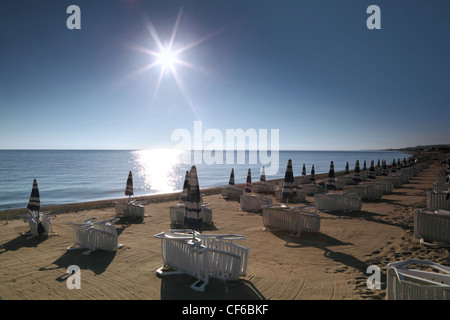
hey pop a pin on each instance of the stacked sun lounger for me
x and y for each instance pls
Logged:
(177, 213)
(231, 192)
(93, 235)
(251, 202)
(404, 283)
(202, 256)
(294, 219)
(432, 225)
(133, 209)
(339, 202)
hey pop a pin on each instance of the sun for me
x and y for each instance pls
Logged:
(166, 58)
(169, 56)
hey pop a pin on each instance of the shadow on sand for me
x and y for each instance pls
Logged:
(177, 287)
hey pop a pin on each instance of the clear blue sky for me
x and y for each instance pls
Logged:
(311, 69)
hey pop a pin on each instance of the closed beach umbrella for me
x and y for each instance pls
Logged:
(263, 175)
(364, 166)
(34, 204)
(393, 168)
(248, 186)
(231, 182)
(304, 170)
(289, 191)
(129, 188)
(356, 174)
(372, 171)
(313, 175)
(193, 217)
(346, 169)
(384, 170)
(399, 166)
(183, 195)
(330, 184)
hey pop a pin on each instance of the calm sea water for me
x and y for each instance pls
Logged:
(71, 176)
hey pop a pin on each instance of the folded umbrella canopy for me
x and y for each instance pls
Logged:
(231, 181)
(129, 187)
(183, 195)
(34, 204)
(356, 174)
(313, 175)
(193, 217)
(248, 186)
(330, 184)
(263, 175)
(384, 169)
(347, 171)
(289, 190)
(393, 168)
(304, 170)
(372, 174)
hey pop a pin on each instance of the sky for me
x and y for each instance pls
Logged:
(310, 69)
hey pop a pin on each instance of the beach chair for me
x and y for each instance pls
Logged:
(438, 200)
(93, 235)
(264, 187)
(177, 213)
(345, 202)
(294, 219)
(440, 186)
(131, 209)
(312, 189)
(40, 224)
(250, 202)
(300, 180)
(366, 191)
(300, 196)
(185, 251)
(231, 193)
(405, 283)
(432, 225)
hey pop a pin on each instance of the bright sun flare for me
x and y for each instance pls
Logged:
(166, 58)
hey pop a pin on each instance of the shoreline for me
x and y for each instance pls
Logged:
(153, 198)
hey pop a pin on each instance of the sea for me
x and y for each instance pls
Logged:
(74, 176)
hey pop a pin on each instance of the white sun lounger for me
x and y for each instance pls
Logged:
(264, 187)
(214, 256)
(300, 197)
(231, 192)
(437, 200)
(177, 213)
(130, 209)
(35, 220)
(346, 202)
(312, 189)
(250, 202)
(300, 180)
(410, 284)
(294, 219)
(94, 235)
(432, 225)
(440, 187)
(365, 191)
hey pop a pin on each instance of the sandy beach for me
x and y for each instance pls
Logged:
(329, 265)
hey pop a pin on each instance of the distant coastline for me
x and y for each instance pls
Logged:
(424, 148)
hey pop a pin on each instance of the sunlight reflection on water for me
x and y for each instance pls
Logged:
(162, 170)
